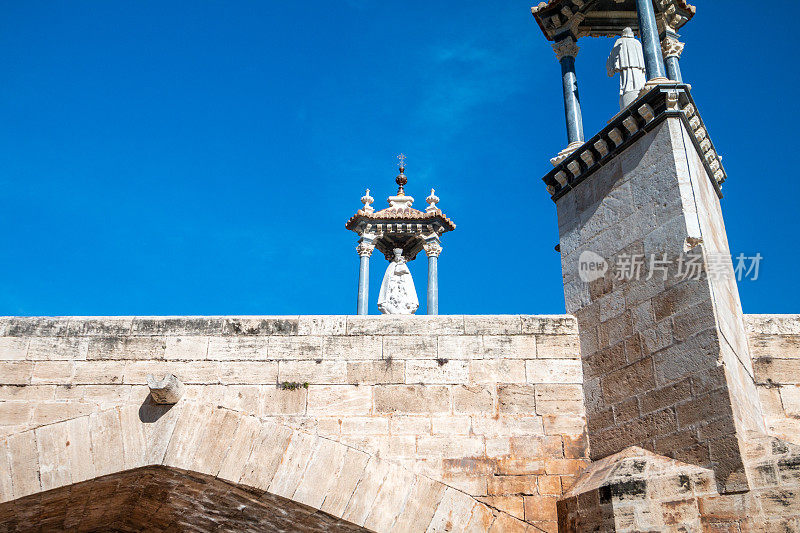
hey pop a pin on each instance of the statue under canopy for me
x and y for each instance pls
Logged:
(398, 295)
(627, 59)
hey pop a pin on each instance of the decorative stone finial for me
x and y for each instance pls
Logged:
(401, 200)
(367, 201)
(432, 200)
(401, 179)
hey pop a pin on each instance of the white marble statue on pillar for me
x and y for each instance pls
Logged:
(627, 58)
(398, 295)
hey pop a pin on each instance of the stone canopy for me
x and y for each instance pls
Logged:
(604, 18)
(400, 228)
(400, 225)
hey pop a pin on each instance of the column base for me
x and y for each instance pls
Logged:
(653, 83)
(563, 154)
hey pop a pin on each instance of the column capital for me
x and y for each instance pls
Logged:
(671, 47)
(567, 46)
(365, 249)
(432, 247)
(366, 244)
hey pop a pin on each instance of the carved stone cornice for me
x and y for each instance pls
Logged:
(671, 47)
(663, 101)
(566, 47)
(604, 19)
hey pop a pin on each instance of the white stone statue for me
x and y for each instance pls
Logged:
(398, 295)
(627, 58)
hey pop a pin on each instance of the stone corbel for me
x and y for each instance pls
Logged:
(166, 391)
(602, 147)
(646, 112)
(630, 125)
(616, 136)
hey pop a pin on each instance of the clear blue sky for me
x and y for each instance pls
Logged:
(164, 157)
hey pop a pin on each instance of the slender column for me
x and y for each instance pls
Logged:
(648, 31)
(364, 249)
(672, 49)
(433, 249)
(566, 49)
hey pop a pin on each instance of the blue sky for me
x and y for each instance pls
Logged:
(202, 157)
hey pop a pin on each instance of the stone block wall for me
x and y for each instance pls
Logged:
(489, 405)
(775, 346)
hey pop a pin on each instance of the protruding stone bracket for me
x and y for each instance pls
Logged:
(630, 124)
(653, 107)
(166, 391)
(602, 147)
(646, 112)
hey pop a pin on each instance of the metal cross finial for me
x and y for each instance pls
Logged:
(401, 178)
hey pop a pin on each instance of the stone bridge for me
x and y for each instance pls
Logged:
(311, 423)
(449, 423)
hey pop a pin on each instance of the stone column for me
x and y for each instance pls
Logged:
(566, 50)
(365, 247)
(648, 32)
(433, 248)
(672, 49)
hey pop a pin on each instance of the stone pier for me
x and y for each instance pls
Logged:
(669, 382)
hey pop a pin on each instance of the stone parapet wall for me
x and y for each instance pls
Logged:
(489, 405)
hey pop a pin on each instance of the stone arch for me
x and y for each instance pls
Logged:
(159, 498)
(245, 451)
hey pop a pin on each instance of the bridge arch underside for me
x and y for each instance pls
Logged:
(159, 498)
(201, 467)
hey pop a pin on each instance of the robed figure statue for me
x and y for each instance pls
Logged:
(398, 295)
(627, 58)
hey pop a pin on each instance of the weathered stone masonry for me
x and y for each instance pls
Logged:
(500, 422)
(658, 335)
(669, 380)
(488, 406)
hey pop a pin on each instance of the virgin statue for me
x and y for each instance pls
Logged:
(398, 295)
